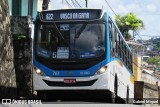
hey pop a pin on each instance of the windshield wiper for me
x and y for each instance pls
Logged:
(60, 35)
(77, 35)
(81, 30)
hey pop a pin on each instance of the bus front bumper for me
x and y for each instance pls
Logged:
(96, 82)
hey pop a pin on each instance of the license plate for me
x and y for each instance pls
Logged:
(69, 81)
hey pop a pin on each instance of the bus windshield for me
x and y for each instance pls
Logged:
(71, 41)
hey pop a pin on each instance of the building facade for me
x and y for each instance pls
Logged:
(22, 7)
(22, 13)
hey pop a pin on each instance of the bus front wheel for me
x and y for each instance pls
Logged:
(127, 95)
(41, 95)
(115, 93)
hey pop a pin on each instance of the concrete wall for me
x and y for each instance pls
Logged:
(151, 79)
(22, 55)
(147, 92)
(19, 25)
(7, 72)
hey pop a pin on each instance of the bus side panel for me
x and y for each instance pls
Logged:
(124, 79)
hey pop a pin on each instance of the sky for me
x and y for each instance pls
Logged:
(146, 10)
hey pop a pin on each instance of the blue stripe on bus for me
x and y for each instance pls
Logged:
(107, 40)
(108, 57)
(77, 73)
(69, 73)
(114, 59)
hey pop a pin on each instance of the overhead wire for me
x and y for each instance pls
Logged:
(138, 35)
(111, 8)
(73, 3)
(68, 3)
(82, 2)
(116, 15)
(136, 64)
(150, 36)
(78, 3)
(134, 31)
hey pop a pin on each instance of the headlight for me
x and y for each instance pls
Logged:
(38, 71)
(102, 70)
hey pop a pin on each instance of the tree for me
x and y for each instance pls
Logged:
(128, 22)
(154, 60)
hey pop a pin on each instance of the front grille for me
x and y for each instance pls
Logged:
(62, 84)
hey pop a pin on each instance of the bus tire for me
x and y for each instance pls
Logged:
(113, 99)
(127, 95)
(41, 95)
(115, 93)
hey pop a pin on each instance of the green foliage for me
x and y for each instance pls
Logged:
(128, 36)
(154, 60)
(129, 22)
(157, 47)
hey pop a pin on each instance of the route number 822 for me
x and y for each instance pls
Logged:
(49, 16)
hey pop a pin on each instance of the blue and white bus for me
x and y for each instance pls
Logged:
(81, 50)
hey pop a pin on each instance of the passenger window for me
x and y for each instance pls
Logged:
(111, 38)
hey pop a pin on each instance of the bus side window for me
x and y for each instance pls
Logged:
(125, 55)
(111, 38)
(117, 44)
(115, 40)
(127, 58)
(131, 63)
(121, 51)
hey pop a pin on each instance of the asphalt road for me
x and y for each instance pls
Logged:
(64, 103)
(71, 105)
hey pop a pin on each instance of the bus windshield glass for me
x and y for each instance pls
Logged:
(71, 41)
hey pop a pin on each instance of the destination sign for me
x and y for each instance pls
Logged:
(74, 15)
(80, 14)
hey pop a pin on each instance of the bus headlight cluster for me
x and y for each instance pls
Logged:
(39, 72)
(102, 70)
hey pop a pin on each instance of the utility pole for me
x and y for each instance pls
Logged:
(158, 92)
(30, 7)
(30, 37)
(45, 4)
(134, 35)
(86, 3)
